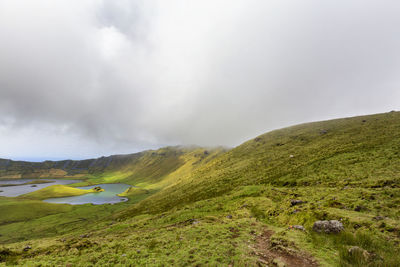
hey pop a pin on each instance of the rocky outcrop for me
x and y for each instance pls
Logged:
(98, 189)
(328, 227)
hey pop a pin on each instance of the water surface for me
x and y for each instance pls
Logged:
(17, 189)
(109, 195)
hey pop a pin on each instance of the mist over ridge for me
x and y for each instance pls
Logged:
(80, 80)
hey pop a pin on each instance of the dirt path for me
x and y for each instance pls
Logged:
(273, 256)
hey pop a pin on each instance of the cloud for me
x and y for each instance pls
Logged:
(99, 77)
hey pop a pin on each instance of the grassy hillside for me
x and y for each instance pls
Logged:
(202, 207)
(17, 210)
(160, 169)
(354, 152)
(151, 164)
(152, 167)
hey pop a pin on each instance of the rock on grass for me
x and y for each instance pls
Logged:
(328, 227)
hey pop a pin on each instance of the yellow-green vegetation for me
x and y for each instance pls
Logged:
(58, 191)
(211, 207)
(20, 210)
(133, 191)
(136, 194)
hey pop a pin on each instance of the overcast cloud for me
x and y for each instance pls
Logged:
(89, 78)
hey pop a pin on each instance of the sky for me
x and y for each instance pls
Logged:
(82, 79)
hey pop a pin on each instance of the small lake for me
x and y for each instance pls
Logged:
(109, 195)
(18, 189)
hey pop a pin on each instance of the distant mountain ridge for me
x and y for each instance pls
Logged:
(168, 157)
(62, 168)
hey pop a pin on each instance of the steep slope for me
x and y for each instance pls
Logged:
(143, 167)
(151, 167)
(149, 171)
(359, 151)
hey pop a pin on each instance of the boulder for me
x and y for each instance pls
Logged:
(328, 227)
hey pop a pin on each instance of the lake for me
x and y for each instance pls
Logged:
(17, 190)
(109, 195)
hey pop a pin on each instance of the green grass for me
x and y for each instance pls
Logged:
(21, 210)
(209, 207)
(57, 191)
(352, 153)
(25, 220)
